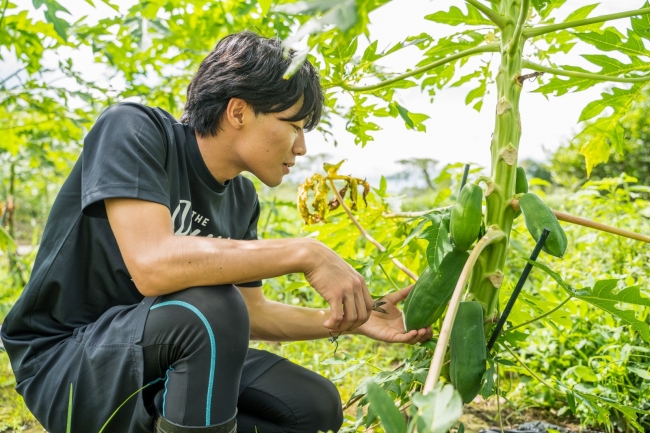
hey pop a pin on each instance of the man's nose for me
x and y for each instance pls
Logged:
(300, 147)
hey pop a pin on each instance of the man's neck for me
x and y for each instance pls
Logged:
(219, 156)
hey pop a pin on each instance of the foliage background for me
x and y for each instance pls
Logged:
(152, 50)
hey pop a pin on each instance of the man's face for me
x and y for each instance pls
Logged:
(270, 145)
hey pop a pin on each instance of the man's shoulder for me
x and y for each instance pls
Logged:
(129, 111)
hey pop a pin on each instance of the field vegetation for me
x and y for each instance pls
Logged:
(575, 349)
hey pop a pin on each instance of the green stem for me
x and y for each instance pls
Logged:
(124, 402)
(499, 399)
(69, 421)
(490, 48)
(489, 13)
(504, 149)
(537, 67)
(521, 21)
(542, 316)
(538, 31)
(531, 372)
(4, 10)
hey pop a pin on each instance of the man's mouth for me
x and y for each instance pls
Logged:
(287, 167)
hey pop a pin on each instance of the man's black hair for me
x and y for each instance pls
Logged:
(250, 67)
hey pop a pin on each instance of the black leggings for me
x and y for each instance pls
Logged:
(195, 343)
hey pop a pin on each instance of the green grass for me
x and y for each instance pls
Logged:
(14, 415)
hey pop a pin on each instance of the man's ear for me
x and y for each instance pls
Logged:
(237, 112)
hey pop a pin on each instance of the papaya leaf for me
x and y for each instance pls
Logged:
(455, 16)
(416, 231)
(342, 14)
(265, 5)
(641, 24)
(599, 137)
(382, 404)
(451, 45)
(610, 67)
(545, 7)
(581, 13)
(488, 380)
(603, 297)
(439, 410)
(412, 120)
(477, 95)
(438, 238)
(610, 40)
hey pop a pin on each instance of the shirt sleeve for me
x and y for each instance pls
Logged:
(124, 156)
(251, 235)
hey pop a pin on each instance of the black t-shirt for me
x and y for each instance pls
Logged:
(132, 152)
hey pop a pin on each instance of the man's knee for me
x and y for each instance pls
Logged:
(215, 312)
(329, 414)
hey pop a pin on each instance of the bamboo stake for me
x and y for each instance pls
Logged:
(562, 216)
(366, 235)
(492, 235)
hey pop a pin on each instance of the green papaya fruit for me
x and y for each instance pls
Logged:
(466, 216)
(468, 350)
(537, 216)
(429, 297)
(521, 185)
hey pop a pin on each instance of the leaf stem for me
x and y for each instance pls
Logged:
(366, 235)
(542, 316)
(521, 21)
(489, 13)
(542, 30)
(593, 224)
(537, 67)
(489, 48)
(414, 214)
(531, 372)
(388, 276)
(499, 399)
(493, 234)
(13, 74)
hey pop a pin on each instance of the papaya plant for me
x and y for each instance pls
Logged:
(526, 36)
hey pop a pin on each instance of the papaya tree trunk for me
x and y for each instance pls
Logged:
(488, 275)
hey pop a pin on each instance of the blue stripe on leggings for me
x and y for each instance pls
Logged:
(165, 393)
(213, 349)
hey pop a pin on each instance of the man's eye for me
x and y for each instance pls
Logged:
(298, 128)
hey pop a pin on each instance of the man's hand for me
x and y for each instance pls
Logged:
(341, 286)
(389, 326)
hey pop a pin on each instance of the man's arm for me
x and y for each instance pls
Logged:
(274, 321)
(160, 262)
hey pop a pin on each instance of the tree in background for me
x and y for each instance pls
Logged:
(568, 168)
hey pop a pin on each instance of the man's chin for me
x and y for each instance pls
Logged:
(272, 183)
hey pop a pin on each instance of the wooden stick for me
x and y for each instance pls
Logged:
(592, 224)
(366, 235)
(492, 235)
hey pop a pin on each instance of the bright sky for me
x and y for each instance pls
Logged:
(455, 132)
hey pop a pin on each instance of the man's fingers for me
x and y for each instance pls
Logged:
(400, 295)
(366, 297)
(360, 308)
(336, 315)
(410, 337)
(349, 313)
(426, 335)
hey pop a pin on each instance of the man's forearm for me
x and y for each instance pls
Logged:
(274, 321)
(180, 262)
